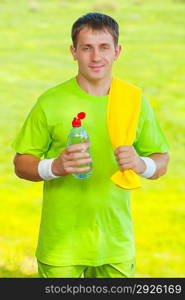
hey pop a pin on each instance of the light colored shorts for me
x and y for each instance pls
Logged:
(115, 270)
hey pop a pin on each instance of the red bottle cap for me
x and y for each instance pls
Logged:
(77, 121)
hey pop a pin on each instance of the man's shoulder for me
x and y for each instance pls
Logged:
(55, 92)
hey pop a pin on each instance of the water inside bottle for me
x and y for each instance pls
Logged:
(85, 174)
(78, 135)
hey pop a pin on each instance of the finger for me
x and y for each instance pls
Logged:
(77, 170)
(76, 147)
(122, 149)
(86, 144)
(76, 155)
(126, 167)
(124, 157)
(78, 162)
(81, 170)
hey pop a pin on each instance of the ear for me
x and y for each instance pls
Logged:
(117, 51)
(73, 51)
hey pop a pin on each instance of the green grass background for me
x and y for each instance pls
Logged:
(34, 56)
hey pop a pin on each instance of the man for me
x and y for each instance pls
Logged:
(86, 225)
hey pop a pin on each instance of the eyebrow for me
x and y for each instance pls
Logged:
(103, 44)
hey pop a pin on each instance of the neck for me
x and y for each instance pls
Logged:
(98, 87)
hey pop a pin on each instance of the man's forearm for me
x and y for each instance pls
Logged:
(26, 167)
(161, 160)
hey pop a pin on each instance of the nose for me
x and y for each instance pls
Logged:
(95, 55)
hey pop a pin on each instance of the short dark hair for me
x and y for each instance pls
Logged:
(96, 21)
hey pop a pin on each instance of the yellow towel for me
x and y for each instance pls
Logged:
(123, 108)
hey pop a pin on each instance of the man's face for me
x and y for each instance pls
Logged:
(95, 53)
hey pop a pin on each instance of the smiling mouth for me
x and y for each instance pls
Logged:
(96, 67)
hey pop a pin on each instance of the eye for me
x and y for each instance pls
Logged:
(105, 47)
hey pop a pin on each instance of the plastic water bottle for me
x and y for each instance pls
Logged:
(79, 135)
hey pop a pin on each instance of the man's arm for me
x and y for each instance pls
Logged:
(26, 167)
(161, 160)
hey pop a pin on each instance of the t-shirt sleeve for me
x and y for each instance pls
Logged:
(34, 137)
(149, 136)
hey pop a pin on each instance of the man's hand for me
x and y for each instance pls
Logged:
(128, 158)
(69, 160)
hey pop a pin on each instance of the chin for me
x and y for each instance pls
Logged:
(96, 76)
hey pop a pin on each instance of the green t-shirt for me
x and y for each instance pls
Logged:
(84, 221)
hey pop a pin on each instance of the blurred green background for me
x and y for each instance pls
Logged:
(34, 56)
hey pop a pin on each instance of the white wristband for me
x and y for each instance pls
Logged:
(44, 169)
(150, 167)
